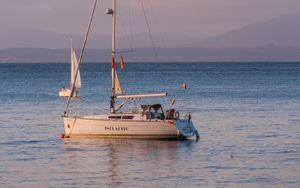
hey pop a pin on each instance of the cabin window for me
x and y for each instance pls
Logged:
(127, 117)
(120, 117)
(114, 117)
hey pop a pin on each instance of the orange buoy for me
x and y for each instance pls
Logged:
(62, 135)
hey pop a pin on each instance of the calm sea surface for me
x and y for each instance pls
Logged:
(247, 114)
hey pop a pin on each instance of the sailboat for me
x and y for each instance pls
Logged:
(66, 92)
(150, 121)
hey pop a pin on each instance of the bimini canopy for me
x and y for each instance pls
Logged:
(146, 107)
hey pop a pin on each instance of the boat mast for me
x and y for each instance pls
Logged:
(71, 65)
(81, 54)
(113, 74)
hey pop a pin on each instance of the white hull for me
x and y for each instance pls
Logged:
(66, 92)
(90, 126)
(149, 122)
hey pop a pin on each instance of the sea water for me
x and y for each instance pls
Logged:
(247, 115)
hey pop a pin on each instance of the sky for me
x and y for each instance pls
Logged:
(199, 19)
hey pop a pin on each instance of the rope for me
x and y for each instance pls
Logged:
(150, 35)
(130, 25)
(81, 54)
(95, 107)
(162, 83)
(127, 35)
(160, 33)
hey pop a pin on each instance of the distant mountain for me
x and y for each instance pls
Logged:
(280, 31)
(30, 38)
(275, 40)
(262, 54)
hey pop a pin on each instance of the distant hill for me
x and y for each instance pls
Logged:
(275, 40)
(263, 54)
(280, 31)
(30, 38)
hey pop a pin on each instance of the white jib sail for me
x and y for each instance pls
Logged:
(74, 67)
(118, 88)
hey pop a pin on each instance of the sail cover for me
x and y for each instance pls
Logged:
(74, 67)
(118, 88)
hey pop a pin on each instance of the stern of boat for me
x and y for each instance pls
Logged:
(66, 92)
(186, 128)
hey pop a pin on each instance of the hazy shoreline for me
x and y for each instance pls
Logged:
(236, 54)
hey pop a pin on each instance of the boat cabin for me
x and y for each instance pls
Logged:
(155, 111)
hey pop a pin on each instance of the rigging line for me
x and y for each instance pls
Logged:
(87, 102)
(137, 104)
(131, 28)
(120, 17)
(150, 35)
(124, 28)
(131, 15)
(162, 39)
(160, 33)
(130, 24)
(95, 107)
(81, 54)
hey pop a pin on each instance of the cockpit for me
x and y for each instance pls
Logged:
(155, 111)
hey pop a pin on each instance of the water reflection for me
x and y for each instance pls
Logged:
(247, 110)
(122, 161)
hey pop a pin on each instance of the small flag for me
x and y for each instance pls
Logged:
(113, 63)
(170, 122)
(122, 64)
(183, 85)
(173, 102)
